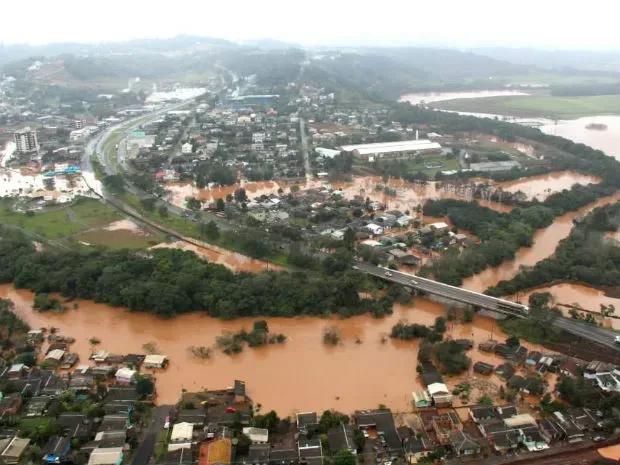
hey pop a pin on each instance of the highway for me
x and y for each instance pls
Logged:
(602, 336)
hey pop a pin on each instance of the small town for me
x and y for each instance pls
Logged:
(358, 242)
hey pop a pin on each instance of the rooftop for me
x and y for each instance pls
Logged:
(391, 147)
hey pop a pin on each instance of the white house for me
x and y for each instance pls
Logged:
(375, 229)
(441, 395)
(155, 361)
(439, 226)
(125, 375)
(258, 137)
(257, 435)
(186, 148)
(181, 436)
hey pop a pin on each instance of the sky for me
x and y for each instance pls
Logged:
(455, 23)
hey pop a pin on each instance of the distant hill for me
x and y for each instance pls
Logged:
(557, 59)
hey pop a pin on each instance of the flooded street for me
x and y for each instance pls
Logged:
(303, 374)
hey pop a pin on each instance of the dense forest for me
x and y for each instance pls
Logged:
(585, 256)
(166, 282)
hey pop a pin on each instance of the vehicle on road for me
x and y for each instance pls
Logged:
(598, 439)
(356, 267)
(365, 433)
(388, 273)
(413, 281)
(167, 423)
(617, 339)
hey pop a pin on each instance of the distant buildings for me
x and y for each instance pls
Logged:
(393, 150)
(26, 140)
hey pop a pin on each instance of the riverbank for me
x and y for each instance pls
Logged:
(536, 106)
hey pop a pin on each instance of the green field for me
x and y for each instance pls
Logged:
(94, 213)
(448, 164)
(52, 225)
(537, 106)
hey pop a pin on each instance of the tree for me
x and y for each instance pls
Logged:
(144, 386)
(485, 400)
(220, 205)
(114, 182)
(344, 457)
(360, 439)
(440, 325)
(243, 446)
(194, 204)
(148, 203)
(349, 239)
(240, 195)
(210, 230)
(229, 198)
(163, 211)
(513, 342)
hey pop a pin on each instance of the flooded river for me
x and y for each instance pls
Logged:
(300, 375)
(541, 187)
(429, 97)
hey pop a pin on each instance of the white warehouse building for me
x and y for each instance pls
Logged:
(392, 150)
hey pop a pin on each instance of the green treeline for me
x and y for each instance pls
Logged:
(167, 282)
(502, 234)
(585, 90)
(585, 256)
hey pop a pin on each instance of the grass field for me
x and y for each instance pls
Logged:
(537, 106)
(52, 224)
(95, 213)
(447, 164)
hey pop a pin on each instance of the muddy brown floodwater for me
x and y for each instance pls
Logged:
(541, 187)
(301, 374)
(545, 242)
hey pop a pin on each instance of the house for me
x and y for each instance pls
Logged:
(17, 370)
(439, 227)
(383, 421)
(421, 399)
(37, 405)
(441, 395)
(218, 452)
(103, 371)
(106, 439)
(258, 454)
(74, 425)
(55, 356)
(570, 368)
(483, 368)
(304, 420)
(341, 438)
(181, 436)
(187, 148)
(517, 421)
(257, 435)
(106, 456)
(155, 361)
(374, 229)
(569, 431)
(100, 357)
(56, 449)
(35, 336)
(182, 456)
(81, 383)
(431, 376)
(125, 375)
(532, 439)
(120, 399)
(133, 360)
(11, 449)
(550, 430)
(506, 411)
(415, 449)
(114, 422)
(194, 416)
(10, 403)
(239, 391)
(283, 455)
(403, 257)
(503, 439)
(310, 451)
(463, 444)
(69, 360)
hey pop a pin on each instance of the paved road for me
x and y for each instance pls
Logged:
(145, 449)
(450, 292)
(304, 149)
(602, 336)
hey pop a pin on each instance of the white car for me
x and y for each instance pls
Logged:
(413, 281)
(388, 273)
(617, 339)
(365, 433)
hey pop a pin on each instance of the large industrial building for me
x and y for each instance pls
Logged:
(26, 140)
(393, 150)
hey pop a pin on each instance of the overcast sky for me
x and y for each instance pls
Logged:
(460, 23)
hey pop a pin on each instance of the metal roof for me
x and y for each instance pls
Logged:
(391, 147)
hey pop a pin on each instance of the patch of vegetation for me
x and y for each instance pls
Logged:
(232, 343)
(331, 336)
(49, 224)
(94, 213)
(43, 302)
